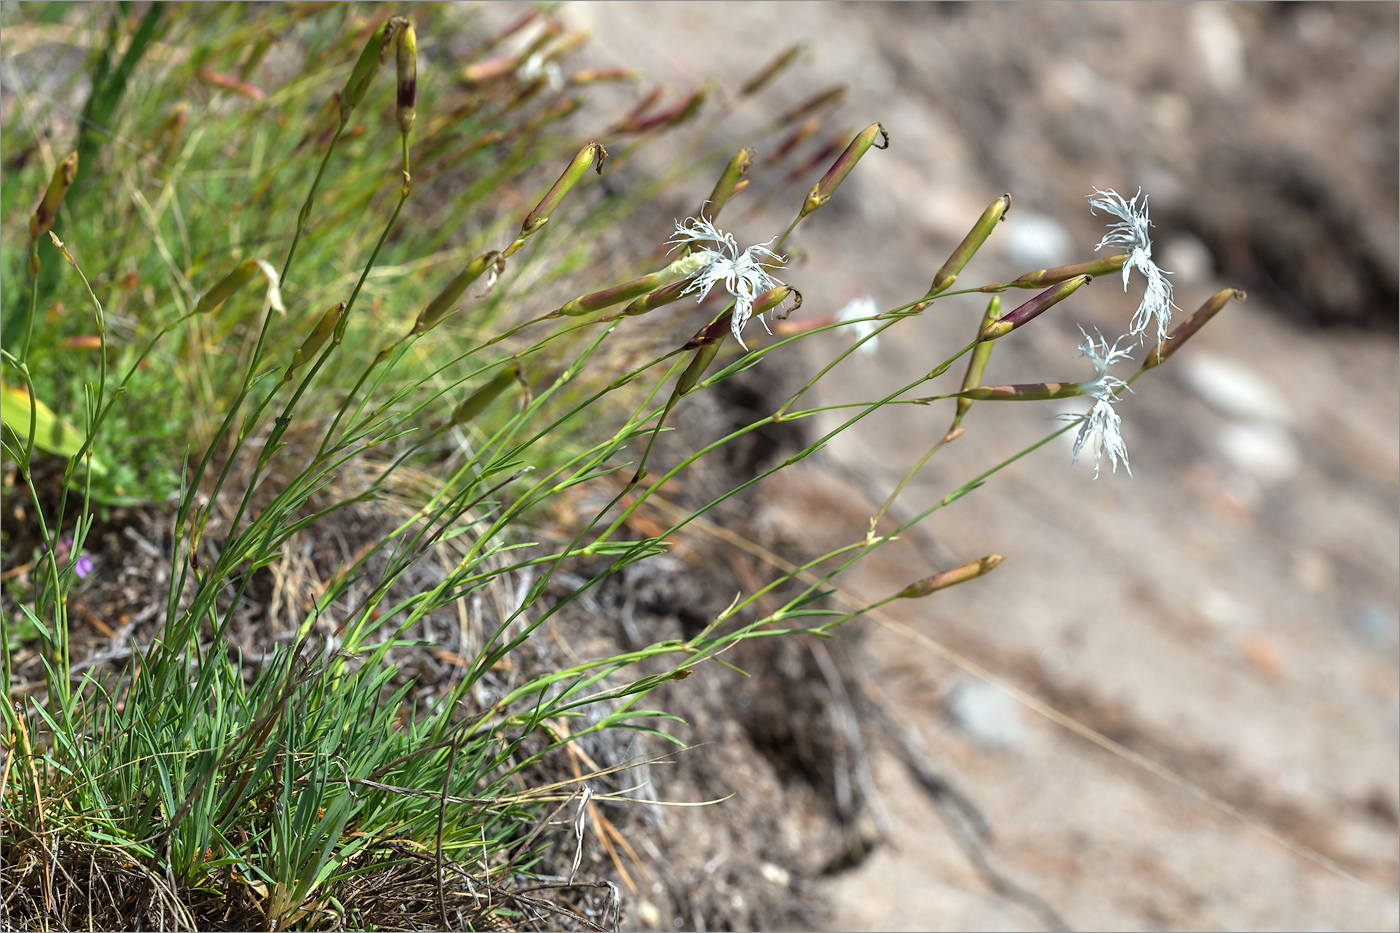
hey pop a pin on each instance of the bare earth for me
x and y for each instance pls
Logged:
(1229, 610)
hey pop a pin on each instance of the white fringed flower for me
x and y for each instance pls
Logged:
(1101, 426)
(741, 272)
(1131, 233)
(856, 313)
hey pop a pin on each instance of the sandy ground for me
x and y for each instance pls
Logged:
(1230, 609)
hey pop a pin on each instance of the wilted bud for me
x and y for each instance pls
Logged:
(996, 211)
(47, 211)
(540, 215)
(981, 353)
(760, 80)
(1043, 277)
(1014, 319)
(446, 298)
(242, 273)
(476, 403)
(941, 581)
(770, 300)
(822, 191)
(407, 61)
(1195, 322)
(357, 85)
(317, 338)
(728, 183)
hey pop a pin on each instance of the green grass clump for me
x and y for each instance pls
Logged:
(305, 299)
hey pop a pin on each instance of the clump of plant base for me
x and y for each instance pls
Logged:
(346, 347)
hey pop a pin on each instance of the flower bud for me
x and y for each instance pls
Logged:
(728, 183)
(407, 60)
(674, 115)
(704, 356)
(596, 75)
(831, 96)
(213, 299)
(770, 300)
(538, 217)
(947, 578)
(446, 298)
(47, 211)
(476, 403)
(1195, 322)
(1014, 319)
(713, 332)
(797, 137)
(665, 295)
(317, 338)
(971, 243)
(608, 297)
(822, 191)
(1043, 277)
(981, 353)
(760, 80)
(357, 85)
(1035, 391)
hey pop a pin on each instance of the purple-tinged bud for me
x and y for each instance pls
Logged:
(1040, 278)
(665, 295)
(1183, 332)
(796, 138)
(357, 85)
(674, 115)
(830, 97)
(1046, 299)
(317, 338)
(772, 298)
(446, 298)
(407, 62)
(47, 211)
(476, 403)
(981, 353)
(1029, 392)
(538, 217)
(713, 332)
(491, 69)
(608, 297)
(729, 182)
(825, 153)
(822, 191)
(759, 81)
(971, 243)
(242, 273)
(941, 581)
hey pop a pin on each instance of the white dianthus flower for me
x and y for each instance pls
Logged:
(741, 272)
(1101, 426)
(856, 312)
(1131, 233)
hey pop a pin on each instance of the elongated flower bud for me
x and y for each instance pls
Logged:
(608, 297)
(704, 356)
(596, 75)
(729, 182)
(446, 298)
(829, 97)
(317, 338)
(941, 581)
(1182, 333)
(822, 191)
(357, 85)
(770, 300)
(797, 137)
(1043, 277)
(759, 81)
(713, 332)
(47, 211)
(1046, 299)
(407, 61)
(665, 295)
(995, 212)
(674, 115)
(1027, 392)
(242, 273)
(476, 403)
(538, 217)
(977, 364)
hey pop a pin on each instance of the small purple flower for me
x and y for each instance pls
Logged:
(83, 567)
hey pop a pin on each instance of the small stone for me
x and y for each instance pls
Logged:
(985, 715)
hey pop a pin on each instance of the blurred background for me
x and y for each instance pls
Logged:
(1230, 609)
